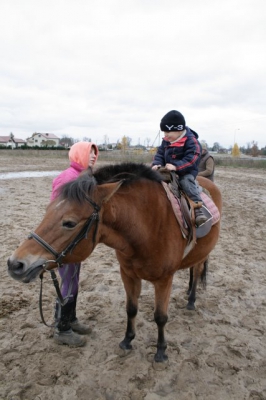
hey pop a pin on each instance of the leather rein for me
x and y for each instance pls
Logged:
(83, 233)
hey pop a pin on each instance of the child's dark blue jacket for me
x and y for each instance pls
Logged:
(183, 154)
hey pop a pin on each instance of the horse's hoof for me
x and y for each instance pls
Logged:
(124, 351)
(160, 363)
(190, 306)
(160, 358)
(125, 346)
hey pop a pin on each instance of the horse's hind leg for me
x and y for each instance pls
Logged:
(162, 295)
(190, 279)
(196, 272)
(133, 289)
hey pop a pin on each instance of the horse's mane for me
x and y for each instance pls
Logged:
(85, 184)
(128, 171)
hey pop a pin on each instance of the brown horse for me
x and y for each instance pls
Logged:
(125, 207)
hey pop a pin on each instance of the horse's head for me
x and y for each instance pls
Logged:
(67, 233)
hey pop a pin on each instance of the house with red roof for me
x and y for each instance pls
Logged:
(11, 141)
(43, 140)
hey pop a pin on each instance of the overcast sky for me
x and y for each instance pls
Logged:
(103, 69)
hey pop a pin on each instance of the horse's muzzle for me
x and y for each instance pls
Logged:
(20, 271)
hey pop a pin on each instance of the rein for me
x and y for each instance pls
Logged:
(83, 233)
(57, 288)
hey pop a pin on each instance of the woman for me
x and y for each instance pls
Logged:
(82, 155)
(206, 164)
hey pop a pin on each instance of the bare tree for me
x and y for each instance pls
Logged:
(216, 146)
(48, 143)
(129, 140)
(66, 141)
(254, 149)
(106, 141)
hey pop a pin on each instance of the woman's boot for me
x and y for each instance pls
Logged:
(63, 333)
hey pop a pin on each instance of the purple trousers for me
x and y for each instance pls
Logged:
(70, 280)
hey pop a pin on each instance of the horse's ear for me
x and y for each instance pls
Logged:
(106, 191)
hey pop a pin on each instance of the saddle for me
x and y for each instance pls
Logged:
(187, 206)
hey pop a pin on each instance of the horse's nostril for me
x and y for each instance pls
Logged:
(19, 266)
(15, 266)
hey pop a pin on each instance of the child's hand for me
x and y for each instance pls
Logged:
(156, 167)
(171, 167)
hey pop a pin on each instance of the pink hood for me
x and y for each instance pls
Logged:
(79, 156)
(80, 153)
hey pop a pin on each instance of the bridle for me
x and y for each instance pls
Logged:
(83, 233)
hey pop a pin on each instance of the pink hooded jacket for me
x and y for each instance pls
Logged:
(79, 156)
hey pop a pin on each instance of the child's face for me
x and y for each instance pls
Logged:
(173, 135)
(92, 157)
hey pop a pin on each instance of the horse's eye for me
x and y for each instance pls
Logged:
(69, 224)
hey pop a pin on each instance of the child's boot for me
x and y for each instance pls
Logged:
(200, 217)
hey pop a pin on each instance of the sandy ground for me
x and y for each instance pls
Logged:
(216, 352)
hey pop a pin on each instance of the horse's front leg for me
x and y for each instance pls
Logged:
(133, 289)
(162, 295)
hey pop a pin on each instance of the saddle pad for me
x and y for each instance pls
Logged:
(175, 205)
(211, 207)
(205, 198)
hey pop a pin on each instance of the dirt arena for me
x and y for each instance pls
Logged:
(217, 352)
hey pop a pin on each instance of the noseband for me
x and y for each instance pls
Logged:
(83, 233)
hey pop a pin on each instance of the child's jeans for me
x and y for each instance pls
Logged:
(188, 184)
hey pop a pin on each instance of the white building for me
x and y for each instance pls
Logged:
(11, 141)
(43, 140)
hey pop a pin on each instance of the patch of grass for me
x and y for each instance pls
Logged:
(240, 162)
(117, 156)
(127, 156)
(33, 153)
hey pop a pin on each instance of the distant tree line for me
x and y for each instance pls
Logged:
(250, 149)
(124, 143)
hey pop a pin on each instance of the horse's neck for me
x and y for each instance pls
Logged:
(116, 225)
(137, 218)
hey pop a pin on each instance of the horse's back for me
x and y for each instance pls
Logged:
(213, 190)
